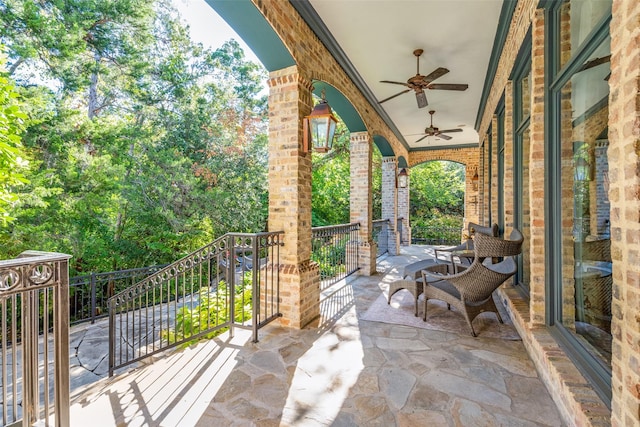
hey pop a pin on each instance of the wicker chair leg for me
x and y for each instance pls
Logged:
(491, 306)
(413, 287)
(470, 323)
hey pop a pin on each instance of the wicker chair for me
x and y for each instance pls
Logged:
(468, 243)
(594, 282)
(471, 291)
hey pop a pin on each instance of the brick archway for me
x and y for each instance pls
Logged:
(470, 158)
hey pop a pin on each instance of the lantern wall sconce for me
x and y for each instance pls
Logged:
(403, 177)
(319, 128)
(474, 180)
(582, 170)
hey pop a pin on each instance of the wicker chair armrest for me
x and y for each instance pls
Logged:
(467, 244)
(441, 272)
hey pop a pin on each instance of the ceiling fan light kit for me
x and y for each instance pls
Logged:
(419, 83)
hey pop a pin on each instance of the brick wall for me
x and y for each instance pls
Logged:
(404, 211)
(485, 180)
(493, 179)
(290, 196)
(624, 195)
(509, 191)
(536, 174)
(390, 201)
(360, 204)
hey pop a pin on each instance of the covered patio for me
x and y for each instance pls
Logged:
(344, 371)
(550, 131)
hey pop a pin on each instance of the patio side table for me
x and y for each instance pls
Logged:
(411, 280)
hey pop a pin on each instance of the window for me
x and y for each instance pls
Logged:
(579, 257)
(521, 118)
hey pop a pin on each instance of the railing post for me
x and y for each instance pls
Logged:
(112, 335)
(61, 338)
(231, 283)
(34, 299)
(255, 288)
(93, 297)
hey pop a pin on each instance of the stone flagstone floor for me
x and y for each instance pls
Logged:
(343, 372)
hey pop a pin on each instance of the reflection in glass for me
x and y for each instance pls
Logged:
(524, 263)
(586, 254)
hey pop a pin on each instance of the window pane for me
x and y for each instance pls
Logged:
(525, 214)
(586, 257)
(578, 18)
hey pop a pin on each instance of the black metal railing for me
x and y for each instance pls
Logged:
(34, 290)
(335, 249)
(230, 283)
(380, 235)
(88, 294)
(436, 235)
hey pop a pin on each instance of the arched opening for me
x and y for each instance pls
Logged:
(437, 208)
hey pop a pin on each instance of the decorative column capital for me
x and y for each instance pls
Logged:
(390, 159)
(358, 137)
(289, 76)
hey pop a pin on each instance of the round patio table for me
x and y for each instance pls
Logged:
(469, 254)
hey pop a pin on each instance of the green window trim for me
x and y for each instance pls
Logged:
(555, 78)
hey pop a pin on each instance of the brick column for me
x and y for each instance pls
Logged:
(390, 201)
(361, 200)
(536, 174)
(472, 195)
(624, 177)
(509, 191)
(290, 196)
(403, 212)
(485, 182)
(493, 179)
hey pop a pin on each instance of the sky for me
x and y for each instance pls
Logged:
(207, 27)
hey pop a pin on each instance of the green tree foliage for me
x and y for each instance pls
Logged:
(330, 187)
(330, 198)
(437, 194)
(12, 156)
(145, 145)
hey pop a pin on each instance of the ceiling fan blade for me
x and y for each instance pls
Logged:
(422, 99)
(395, 83)
(435, 74)
(451, 130)
(448, 86)
(440, 135)
(393, 96)
(422, 138)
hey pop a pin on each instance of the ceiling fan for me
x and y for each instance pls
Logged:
(433, 131)
(419, 83)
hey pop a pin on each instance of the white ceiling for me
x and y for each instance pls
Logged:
(379, 37)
